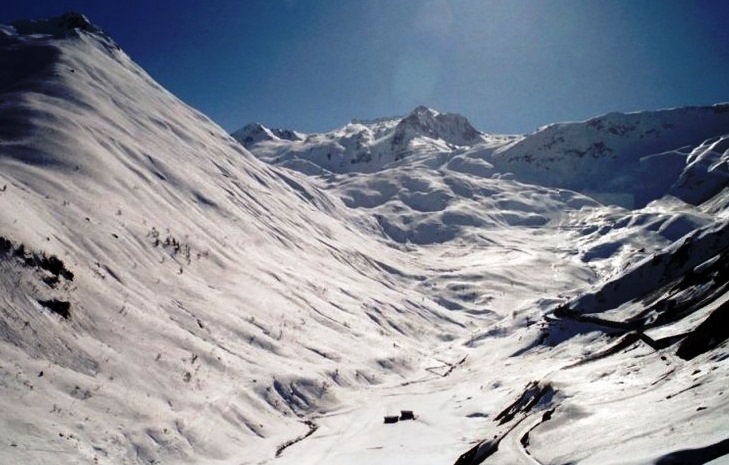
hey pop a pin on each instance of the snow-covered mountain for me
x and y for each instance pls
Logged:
(628, 159)
(167, 297)
(631, 158)
(255, 133)
(365, 146)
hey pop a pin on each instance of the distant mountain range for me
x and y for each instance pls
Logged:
(626, 158)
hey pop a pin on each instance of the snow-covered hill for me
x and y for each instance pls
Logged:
(167, 297)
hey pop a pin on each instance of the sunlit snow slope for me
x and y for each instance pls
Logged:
(166, 297)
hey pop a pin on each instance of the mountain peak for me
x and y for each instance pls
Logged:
(253, 133)
(452, 128)
(57, 26)
(422, 110)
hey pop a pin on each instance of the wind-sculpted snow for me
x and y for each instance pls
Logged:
(167, 297)
(425, 205)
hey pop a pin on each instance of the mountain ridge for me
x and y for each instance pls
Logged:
(365, 145)
(631, 145)
(615, 152)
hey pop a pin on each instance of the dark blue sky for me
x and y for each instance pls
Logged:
(509, 65)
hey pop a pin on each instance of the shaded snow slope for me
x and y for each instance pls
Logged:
(166, 297)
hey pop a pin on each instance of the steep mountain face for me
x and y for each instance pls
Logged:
(167, 297)
(453, 129)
